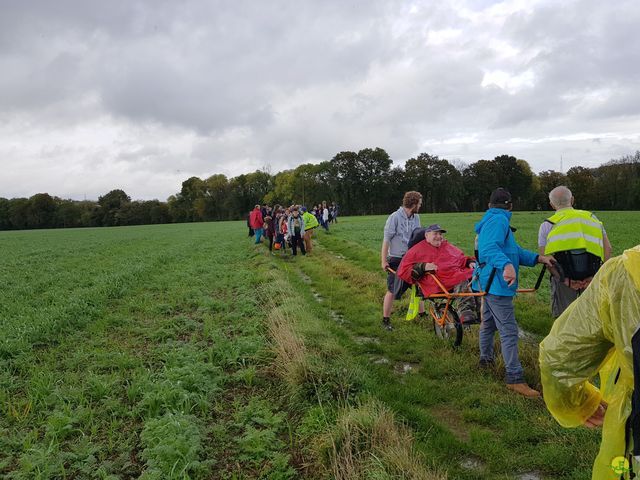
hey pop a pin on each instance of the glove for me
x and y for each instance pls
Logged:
(418, 271)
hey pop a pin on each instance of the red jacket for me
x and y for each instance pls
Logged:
(451, 262)
(255, 219)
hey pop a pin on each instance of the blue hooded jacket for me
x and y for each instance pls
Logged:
(496, 248)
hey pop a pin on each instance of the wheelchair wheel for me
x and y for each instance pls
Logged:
(451, 331)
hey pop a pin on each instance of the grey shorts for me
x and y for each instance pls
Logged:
(395, 284)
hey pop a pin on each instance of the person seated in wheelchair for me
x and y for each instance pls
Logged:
(434, 254)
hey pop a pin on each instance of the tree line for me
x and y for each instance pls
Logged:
(362, 183)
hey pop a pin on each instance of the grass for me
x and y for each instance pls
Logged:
(126, 371)
(178, 351)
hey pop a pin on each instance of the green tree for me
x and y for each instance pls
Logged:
(68, 214)
(110, 204)
(347, 171)
(548, 180)
(5, 210)
(375, 165)
(582, 182)
(479, 180)
(216, 194)
(439, 182)
(284, 188)
(18, 212)
(360, 178)
(41, 211)
(484, 176)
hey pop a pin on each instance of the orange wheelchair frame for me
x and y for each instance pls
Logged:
(446, 322)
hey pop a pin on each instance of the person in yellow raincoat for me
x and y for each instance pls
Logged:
(595, 335)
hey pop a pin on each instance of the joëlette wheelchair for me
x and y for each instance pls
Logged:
(447, 324)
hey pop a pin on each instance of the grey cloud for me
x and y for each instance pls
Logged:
(206, 66)
(200, 87)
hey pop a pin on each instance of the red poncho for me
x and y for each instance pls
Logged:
(451, 262)
(255, 219)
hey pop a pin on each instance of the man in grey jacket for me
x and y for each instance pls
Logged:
(397, 233)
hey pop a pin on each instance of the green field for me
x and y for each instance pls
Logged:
(184, 351)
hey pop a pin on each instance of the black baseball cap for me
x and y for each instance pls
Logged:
(434, 228)
(500, 196)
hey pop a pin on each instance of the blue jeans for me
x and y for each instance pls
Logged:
(259, 232)
(498, 314)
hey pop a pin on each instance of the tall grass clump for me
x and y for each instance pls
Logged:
(368, 443)
(291, 361)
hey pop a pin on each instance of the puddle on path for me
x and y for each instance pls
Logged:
(362, 340)
(317, 296)
(403, 368)
(472, 463)
(380, 361)
(529, 476)
(340, 256)
(338, 317)
(306, 278)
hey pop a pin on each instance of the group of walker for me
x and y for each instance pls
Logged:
(595, 299)
(290, 228)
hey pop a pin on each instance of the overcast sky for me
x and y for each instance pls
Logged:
(140, 95)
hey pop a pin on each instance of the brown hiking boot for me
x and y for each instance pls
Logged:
(523, 389)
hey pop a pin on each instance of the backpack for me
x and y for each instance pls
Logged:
(577, 264)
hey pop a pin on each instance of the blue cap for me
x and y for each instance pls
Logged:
(434, 228)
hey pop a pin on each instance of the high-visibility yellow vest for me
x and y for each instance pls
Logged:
(575, 229)
(310, 221)
(414, 304)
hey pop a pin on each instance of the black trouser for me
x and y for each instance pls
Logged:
(296, 240)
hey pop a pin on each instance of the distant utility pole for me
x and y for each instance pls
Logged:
(561, 171)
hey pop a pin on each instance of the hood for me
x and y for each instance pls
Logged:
(631, 261)
(491, 213)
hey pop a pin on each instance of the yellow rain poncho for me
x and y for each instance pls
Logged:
(594, 336)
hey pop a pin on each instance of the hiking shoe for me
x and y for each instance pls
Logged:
(386, 324)
(523, 389)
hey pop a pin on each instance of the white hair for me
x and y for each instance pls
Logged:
(560, 197)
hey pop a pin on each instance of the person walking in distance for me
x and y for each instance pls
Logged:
(296, 229)
(256, 221)
(310, 223)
